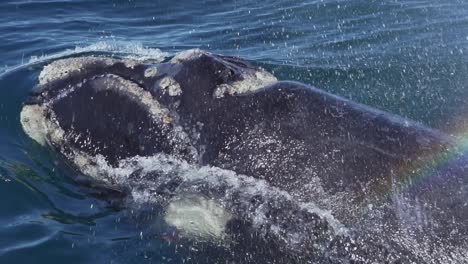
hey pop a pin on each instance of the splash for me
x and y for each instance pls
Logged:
(120, 49)
(419, 192)
(165, 180)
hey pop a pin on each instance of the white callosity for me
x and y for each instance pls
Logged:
(169, 85)
(187, 55)
(43, 130)
(114, 82)
(32, 118)
(151, 72)
(251, 81)
(60, 69)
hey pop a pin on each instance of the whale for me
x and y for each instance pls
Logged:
(229, 151)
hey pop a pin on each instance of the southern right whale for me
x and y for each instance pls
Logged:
(314, 174)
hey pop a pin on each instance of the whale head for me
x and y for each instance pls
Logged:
(116, 109)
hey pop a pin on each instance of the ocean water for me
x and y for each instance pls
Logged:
(405, 57)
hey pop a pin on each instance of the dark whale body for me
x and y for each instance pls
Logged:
(222, 112)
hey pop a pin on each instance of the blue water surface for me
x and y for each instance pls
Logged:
(406, 57)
